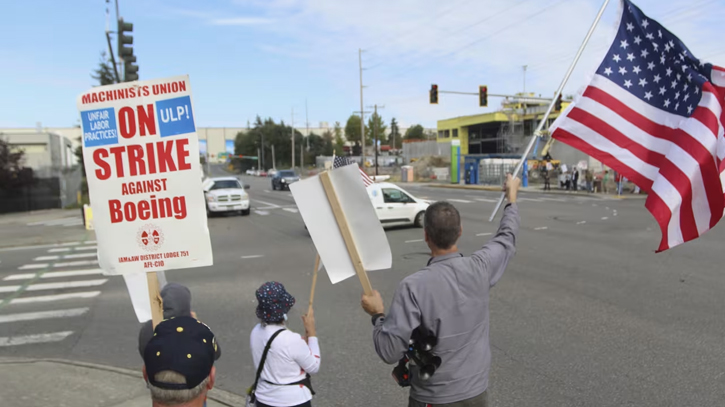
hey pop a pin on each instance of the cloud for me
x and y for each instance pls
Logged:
(244, 21)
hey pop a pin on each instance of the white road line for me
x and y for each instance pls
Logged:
(57, 297)
(615, 214)
(77, 263)
(484, 234)
(59, 249)
(541, 228)
(46, 258)
(70, 244)
(54, 286)
(267, 191)
(86, 248)
(604, 218)
(79, 255)
(38, 338)
(606, 207)
(458, 200)
(530, 200)
(267, 203)
(54, 274)
(89, 242)
(486, 200)
(293, 210)
(581, 223)
(33, 266)
(263, 213)
(414, 241)
(553, 199)
(32, 316)
(255, 256)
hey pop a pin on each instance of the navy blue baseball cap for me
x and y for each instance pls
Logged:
(183, 345)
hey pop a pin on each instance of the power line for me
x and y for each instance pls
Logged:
(486, 37)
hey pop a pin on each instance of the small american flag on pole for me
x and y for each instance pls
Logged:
(343, 161)
(654, 113)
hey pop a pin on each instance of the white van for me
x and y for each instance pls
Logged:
(395, 206)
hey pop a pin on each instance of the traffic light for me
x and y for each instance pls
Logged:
(130, 69)
(557, 105)
(483, 96)
(433, 94)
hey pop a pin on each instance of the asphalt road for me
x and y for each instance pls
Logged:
(586, 314)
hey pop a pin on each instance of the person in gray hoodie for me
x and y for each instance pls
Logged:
(177, 303)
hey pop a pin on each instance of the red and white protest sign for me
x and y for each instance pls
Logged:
(141, 155)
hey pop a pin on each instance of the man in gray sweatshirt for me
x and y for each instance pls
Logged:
(177, 303)
(448, 299)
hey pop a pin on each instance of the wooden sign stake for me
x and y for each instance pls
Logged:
(314, 282)
(157, 304)
(345, 230)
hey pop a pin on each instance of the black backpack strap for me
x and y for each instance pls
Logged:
(264, 358)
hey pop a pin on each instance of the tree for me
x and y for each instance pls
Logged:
(352, 129)
(79, 155)
(416, 132)
(277, 135)
(376, 126)
(104, 73)
(396, 141)
(339, 141)
(12, 173)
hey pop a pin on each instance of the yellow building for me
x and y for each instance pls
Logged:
(501, 132)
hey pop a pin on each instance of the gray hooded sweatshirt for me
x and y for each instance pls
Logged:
(177, 303)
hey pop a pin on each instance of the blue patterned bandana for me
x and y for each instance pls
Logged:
(274, 302)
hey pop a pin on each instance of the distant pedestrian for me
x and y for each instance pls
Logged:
(284, 360)
(177, 303)
(589, 178)
(179, 363)
(567, 181)
(547, 179)
(605, 182)
(574, 179)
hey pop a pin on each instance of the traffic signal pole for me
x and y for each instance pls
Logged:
(113, 58)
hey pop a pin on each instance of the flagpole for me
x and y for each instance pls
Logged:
(537, 133)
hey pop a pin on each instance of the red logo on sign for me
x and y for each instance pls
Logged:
(150, 237)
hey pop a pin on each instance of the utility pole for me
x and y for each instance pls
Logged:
(302, 161)
(362, 115)
(261, 156)
(274, 161)
(375, 134)
(307, 125)
(293, 137)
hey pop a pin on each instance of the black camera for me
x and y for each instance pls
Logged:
(418, 354)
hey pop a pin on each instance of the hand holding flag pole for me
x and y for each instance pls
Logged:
(542, 123)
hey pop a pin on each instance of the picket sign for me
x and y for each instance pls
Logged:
(157, 303)
(346, 234)
(314, 282)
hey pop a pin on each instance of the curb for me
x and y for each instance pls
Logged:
(535, 191)
(220, 396)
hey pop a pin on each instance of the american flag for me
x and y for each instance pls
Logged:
(343, 161)
(654, 113)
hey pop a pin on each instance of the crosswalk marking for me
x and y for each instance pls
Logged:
(57, 297)
(33, 316)
(254, 256)
(293, 210)
(458, 200)
(76, 263)
(79, 255)
(37, 338)
(553, 199)
(263, 213)
(94, 247)
(54, 286)
(54, 274)
(485, 200)
(59, 250)
(33, 266)
(530, 200)
(46, 258)
(271, 205)
(414, 241)
(484, 234)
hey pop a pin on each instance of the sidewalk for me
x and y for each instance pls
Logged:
(535, 189)
(57, 382)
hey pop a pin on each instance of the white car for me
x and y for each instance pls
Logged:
(225, 194)
(395, 206)
(250, 172)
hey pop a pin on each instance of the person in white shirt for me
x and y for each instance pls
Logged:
(285, 378)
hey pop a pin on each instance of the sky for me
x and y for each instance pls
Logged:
(270, 57)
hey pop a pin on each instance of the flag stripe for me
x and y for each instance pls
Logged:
(709, 173)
